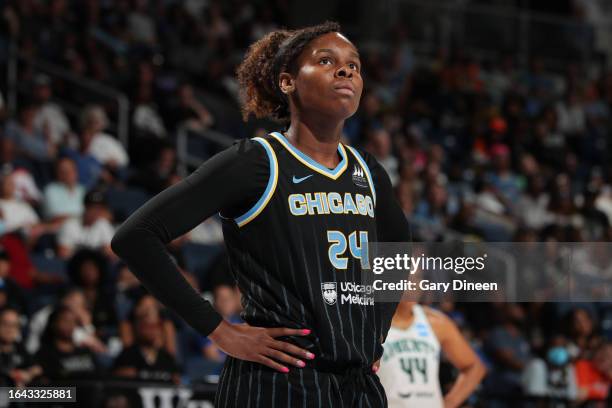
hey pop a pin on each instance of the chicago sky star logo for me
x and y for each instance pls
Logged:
(358, 177)
(330, 294)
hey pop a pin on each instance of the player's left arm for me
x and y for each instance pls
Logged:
(460, 354)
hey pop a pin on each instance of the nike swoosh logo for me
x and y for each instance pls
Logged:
(299, 180)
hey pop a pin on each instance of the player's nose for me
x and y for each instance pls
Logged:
(344, 72)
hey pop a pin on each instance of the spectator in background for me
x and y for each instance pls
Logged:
(489, 199)
(17, 368)
(141, 25)
(570, 113)
(404, 192)
(11, 294)
(581, 329)
(263, 24)
(532, 207)
(464, 221)
(209, 232)
(430, 213)
(553, 378)
(227, 302)
(549, 143)
(102, 146)
(189, 112)
(128, 290)
(379, 144)
(64, 197)
(50, 118)
(19, 216)
(32, 143)
(60, 357)
(158, 175)
(510, 351)
(594, 376)
(26, 187)
(92, 230)
(147, 305)
(22, 270)
(433, 175)
(216, 26)
(596, 223)
(146, 119)
(503, 178)
(88, 271)
(146, 359)
(84, 333)
(89, 168)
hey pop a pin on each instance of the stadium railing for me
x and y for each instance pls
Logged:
(94, 88)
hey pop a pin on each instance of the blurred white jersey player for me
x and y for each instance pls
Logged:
(409, 365)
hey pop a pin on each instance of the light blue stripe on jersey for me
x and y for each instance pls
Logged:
(309, 162)
(367, 170)
(263, 200)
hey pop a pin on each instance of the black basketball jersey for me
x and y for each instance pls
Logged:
(297, 253)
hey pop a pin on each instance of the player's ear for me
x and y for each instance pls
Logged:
(286, 83)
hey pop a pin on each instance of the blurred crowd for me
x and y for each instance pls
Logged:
(482, 149)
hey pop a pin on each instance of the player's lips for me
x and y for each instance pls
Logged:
(345, 88)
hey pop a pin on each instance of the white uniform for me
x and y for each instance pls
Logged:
(409, 365)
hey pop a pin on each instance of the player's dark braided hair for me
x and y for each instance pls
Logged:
(265, 60)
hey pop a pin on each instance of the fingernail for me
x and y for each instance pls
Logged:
(310, 355)
(284, 370)
(300, 363)
(305, 331)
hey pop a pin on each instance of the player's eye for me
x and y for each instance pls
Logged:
(354, 66)
(325, 59)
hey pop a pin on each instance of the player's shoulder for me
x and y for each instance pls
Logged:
(247, 145)
(432, 313)
(436, 317)
(250, 150)
(439, 321)
(363, 154)
(371, 162)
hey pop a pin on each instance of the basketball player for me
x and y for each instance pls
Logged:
(298, 209)
(409, 366)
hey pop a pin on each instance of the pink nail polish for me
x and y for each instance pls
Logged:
(284, 370)
(305, 331)
(300, 363)
(310, 355)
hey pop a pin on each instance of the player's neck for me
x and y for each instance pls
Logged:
(404, 315)
(318, 141)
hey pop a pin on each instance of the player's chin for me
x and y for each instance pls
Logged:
(340, 114)
(345, 107)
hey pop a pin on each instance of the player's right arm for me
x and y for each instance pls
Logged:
(460, 354)
(228, 182)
